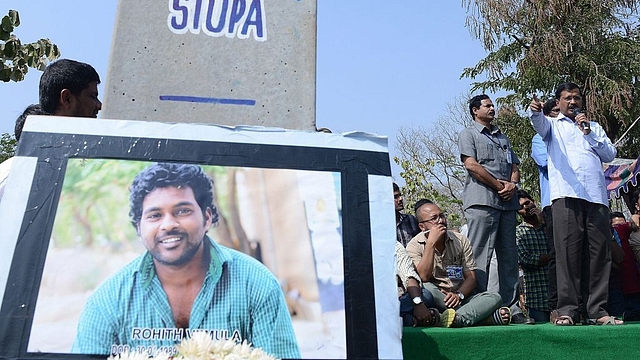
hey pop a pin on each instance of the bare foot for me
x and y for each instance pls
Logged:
(505, 315)
(501, 316)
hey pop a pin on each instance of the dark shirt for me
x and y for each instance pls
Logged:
(407, 228)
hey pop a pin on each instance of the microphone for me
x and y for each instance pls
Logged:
(585, 124)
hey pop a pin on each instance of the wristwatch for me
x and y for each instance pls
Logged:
(417, 300)
(460, 295)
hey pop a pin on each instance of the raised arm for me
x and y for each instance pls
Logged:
(424, 265)
(540, 122)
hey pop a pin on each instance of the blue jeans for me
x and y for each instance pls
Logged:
(406, 306)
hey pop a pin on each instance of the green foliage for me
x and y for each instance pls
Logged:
(7, 146)
(431, 166)
(17, 57)
(430, 162)
(535, 45)
(94, 207)
(419, 186)
(93, 210)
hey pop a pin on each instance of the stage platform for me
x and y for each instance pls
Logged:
(540, 341)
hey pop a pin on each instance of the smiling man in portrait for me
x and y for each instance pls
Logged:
(185, 281)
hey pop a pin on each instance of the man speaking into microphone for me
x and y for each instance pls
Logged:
(576, 150)
(584, 124)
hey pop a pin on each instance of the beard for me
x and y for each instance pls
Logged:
(187, 255)
(528, 215)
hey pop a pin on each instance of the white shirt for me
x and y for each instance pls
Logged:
(574, 159)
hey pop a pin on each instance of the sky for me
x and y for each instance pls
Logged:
(380, 66)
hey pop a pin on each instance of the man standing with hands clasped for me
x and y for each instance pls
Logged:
(576, 150)
(489, 199)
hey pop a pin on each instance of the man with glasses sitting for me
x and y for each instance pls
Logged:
(444, 260)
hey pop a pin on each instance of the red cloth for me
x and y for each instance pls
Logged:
(630, 276)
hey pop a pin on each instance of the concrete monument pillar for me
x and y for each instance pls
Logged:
(228, 62)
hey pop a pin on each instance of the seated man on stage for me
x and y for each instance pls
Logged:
(185, 281)
(445, 263)
(415, 301)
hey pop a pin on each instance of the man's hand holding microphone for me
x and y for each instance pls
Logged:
(577, 115)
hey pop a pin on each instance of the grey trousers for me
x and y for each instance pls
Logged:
(473, 309)
(494, 230)
(582, 236)
(493, 284)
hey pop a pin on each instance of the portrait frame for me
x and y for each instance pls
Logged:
(31, 198)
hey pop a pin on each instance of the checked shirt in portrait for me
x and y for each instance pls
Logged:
(240, 299)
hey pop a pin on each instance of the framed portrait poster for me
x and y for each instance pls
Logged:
(297, 253)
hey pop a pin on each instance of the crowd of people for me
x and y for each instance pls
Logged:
(568, 261)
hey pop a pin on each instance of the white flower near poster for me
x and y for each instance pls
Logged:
(202, 347)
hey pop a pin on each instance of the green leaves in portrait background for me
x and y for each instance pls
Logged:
(93, 210)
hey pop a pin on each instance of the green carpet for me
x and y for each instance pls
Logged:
(541, 341)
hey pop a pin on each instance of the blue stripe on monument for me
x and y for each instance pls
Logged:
(207, 100)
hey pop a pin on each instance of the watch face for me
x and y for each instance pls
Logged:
(417, 300)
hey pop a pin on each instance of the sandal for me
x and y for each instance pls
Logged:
(435, 317)
(606, 320)
(553, 316)
(563, 320)
(497, 316)
(444, 319)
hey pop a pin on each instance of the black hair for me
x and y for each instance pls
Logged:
(161, 175)
(419, 203)
(548, 106)
(33, 109)
(566, 87)
(64, 74)
(617, 214)
(476, 102)
(396, 187)
(523, 194)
